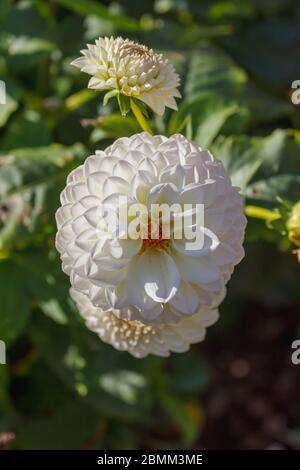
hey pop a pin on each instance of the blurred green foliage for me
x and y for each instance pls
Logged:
(63, 388)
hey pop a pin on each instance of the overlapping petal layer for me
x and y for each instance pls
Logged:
(139, 339)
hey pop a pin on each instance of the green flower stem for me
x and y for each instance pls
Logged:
(261, 213)
(140, 118)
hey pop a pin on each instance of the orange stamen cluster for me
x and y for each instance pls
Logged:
(154, 236)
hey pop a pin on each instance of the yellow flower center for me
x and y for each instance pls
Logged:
(155, 235)
(293, 225)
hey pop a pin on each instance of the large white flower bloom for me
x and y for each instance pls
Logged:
(154, 280)
(133, 70)
(140, 339)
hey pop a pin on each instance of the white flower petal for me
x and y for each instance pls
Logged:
(201, 270)
(158, 275)
(141, 339)
(132, 69)
(186, 299)
(164, 193)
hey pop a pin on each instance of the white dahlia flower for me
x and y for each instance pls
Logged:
(140, 339)
(132, 70)
(150, 275)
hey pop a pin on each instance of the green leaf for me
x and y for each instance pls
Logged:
(109, 95)
(32, 167)
(88, 368)
(208, 114)
(26, 46)
(180, 415)
(24, 20)
(74, 102)
(124, 384)
(280, 152)
(278, 176)
(47, 284)
(124, 104)
(141, 105)
(211, 126)
(53, 309)
(275, 187)
(6, 6)
(240, 156)
(14, 302)
(27, 129)
(67, 427)
(185, 127)
(30, 183)
(26, 52)
(13, 216)
(52, 411)
(57, 154)
(114, 126)
(90, 7)
(211, 70)
(13, 94)
(271, 164)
